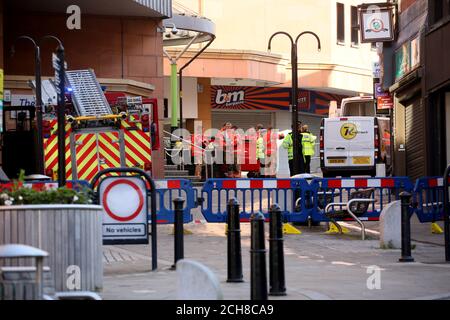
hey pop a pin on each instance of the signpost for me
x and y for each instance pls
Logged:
(124, 200)
(60, 69)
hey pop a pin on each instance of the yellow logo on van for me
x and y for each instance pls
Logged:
(349, 131)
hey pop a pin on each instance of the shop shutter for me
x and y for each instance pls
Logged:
(243, 120)
(415, 138)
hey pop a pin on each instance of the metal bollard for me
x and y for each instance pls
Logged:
(258, 283)
(178, 231)
(446, 215)
(234, 254)
(405, 198)
(276, 253)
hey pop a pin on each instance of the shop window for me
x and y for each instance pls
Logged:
(354, 26)
(340, 15)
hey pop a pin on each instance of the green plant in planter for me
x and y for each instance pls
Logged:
(17, 194)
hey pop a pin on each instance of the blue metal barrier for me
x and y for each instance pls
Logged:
(385, 190)
(167, 191)
(428, 198)
(256, 195)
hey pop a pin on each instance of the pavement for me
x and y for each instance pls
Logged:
(318, 266)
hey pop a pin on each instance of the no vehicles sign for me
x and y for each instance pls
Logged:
(124, 201)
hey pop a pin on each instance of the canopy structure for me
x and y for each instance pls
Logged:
(184, 29)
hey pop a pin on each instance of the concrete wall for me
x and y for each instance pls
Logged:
(204, 103)
(189, 97)
(248, 25)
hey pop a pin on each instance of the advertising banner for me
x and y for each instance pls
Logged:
(267, 99)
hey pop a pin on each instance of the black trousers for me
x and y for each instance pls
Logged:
(307, 164)
(301, 166)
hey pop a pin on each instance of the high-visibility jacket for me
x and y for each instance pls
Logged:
(260, 148)
(308, 143)
(288, 144)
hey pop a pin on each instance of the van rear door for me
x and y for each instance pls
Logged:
(349, 142)
(362, 144)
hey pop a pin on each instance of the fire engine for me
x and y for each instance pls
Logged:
(103, 130)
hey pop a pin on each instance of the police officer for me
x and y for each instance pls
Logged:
(308, 144)
(288, 144)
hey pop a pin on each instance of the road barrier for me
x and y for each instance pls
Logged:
(428, 199)
(380, 190)
(300, 200)
(167, 191)
(255, 195)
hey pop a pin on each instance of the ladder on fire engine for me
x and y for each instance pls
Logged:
(87, 94)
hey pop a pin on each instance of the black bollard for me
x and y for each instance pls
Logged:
(234, 254)
(178, 231)
(405, 198)
(258, 285)
(276, 253)
(446, 215)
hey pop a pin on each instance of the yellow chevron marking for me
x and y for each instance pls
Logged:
(89, 170)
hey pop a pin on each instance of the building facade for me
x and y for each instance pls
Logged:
(416, 70)
(120, 39)
(238, 80)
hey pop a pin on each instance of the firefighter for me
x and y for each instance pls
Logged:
(224, 146)
(308, 146)
(260, 150)
(270, 152)
(288, 144)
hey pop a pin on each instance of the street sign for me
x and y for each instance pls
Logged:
(124, 201)
(379, 92)
(58, 76)
(376, 70)
(385, 102)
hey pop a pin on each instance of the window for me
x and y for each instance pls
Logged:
(354, 26)
(340, 22)
(436, 9)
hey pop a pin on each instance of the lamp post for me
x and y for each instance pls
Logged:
(60, 70)
(38, 105)
(294, 91)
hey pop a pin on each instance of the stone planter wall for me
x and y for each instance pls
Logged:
(71, 234)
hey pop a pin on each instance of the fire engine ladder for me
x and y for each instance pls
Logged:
(87, 95)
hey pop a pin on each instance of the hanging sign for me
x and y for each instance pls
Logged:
(376, 23)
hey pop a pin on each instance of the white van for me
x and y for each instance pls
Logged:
(356, 141)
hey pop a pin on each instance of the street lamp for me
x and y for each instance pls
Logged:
(294, 91)
(38, 106)
(59, 64)
(60, 70)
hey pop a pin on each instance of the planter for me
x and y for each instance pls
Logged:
(71, 234)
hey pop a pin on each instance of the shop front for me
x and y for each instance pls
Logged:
(438, 95)
(245, 107)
